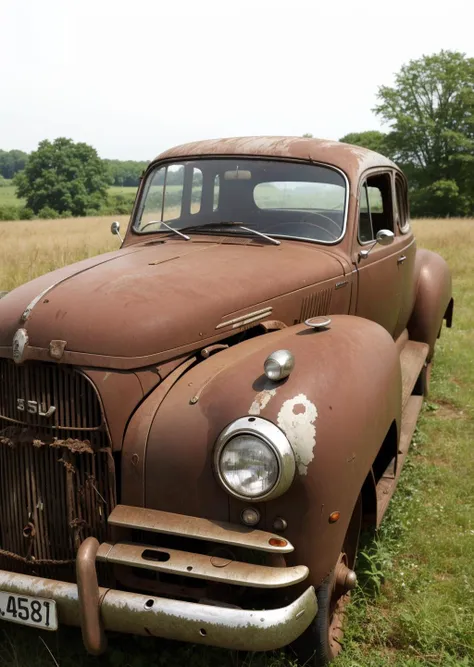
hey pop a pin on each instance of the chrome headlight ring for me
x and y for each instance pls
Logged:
(272, 437)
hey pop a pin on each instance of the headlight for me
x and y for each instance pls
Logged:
(254, 460)
(249, 466)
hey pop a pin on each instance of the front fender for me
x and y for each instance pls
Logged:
(335, 408)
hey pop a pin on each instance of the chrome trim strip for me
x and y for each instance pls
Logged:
(32, 304)
(201, 566)
(246, 319)
(222, 532)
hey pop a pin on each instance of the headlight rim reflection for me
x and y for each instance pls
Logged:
(270, 435)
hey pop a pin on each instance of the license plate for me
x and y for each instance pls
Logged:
(38, 612)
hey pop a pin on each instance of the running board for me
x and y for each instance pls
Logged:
(387, 485)
(412, 360)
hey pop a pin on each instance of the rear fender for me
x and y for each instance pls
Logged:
(433, 301)
(336, 408)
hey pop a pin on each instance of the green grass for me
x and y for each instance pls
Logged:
(415, 605)
(8, 194)
(127, 192)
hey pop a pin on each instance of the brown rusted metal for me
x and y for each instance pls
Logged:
(52, 496)
(117, 365)
(89, 596)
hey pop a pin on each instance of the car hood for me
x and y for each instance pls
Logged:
(150, 302)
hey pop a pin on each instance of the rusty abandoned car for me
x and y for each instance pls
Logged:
(195, 427)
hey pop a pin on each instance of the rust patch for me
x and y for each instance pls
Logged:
(299, 409)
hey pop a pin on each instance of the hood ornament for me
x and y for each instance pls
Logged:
(19, 345)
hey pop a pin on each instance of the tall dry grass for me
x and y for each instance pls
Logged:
(31, 248)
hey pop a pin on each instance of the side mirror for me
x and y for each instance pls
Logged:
(384, 237)
(115, 229)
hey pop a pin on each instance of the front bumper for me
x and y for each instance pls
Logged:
(96, 609)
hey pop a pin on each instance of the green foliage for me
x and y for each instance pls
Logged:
(430, 110)
(372, 139)
(48, 213)
(125, 173)
(12, 162)
(63, 176)
(8, 212)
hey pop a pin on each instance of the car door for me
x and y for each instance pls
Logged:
(379, 279)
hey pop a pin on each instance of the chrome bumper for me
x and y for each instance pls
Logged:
(96, 609)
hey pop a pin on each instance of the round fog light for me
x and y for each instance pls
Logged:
(279, 364)
(280, 524)
(250, 516)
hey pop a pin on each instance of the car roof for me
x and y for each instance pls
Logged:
(353, 160)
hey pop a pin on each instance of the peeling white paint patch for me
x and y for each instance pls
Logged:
(297, 419)
(261, 401)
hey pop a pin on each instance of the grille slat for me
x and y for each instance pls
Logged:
(56, 473)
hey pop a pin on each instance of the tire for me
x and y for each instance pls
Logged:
(321, 642)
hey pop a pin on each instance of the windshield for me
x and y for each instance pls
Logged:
(276, 198)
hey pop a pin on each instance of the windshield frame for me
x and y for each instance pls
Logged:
(142, 192)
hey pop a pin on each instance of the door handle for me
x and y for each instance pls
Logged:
(401, 259)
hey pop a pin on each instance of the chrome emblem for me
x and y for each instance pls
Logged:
(34, 408)
(20, 342)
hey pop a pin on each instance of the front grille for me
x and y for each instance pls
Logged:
(57, 480)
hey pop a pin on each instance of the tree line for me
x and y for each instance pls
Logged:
(124, 173)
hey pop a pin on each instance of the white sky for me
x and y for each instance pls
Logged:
(133, 78)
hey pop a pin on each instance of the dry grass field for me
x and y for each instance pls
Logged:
(415, 603)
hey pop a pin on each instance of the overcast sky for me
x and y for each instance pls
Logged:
(135, 77)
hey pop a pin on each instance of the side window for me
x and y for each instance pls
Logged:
(401, 205)
(375, 206)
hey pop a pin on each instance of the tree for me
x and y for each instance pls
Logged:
(12, 162)
(374, 140)
(63, 176)
(430, 110)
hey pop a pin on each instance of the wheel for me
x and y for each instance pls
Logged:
(321, 642)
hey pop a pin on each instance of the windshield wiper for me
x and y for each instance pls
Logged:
(231, 224)
(172, 229)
